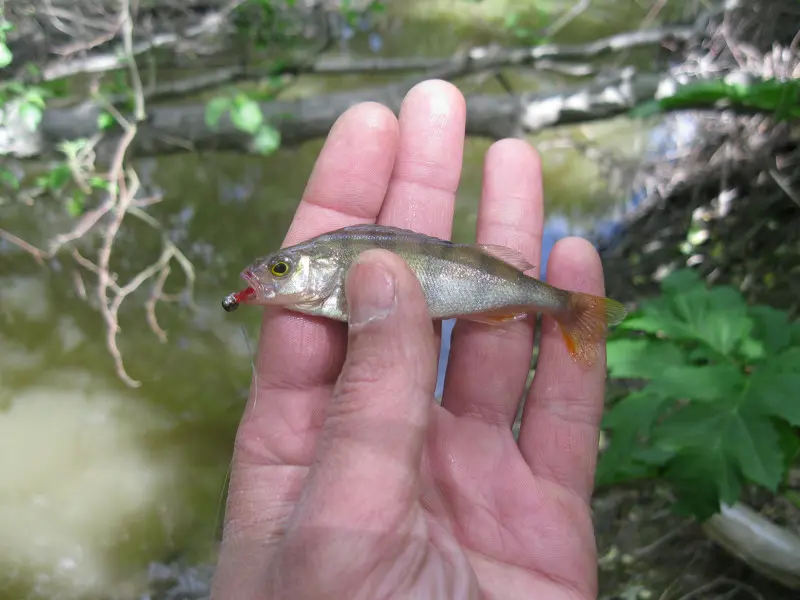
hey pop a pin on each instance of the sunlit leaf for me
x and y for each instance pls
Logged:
(76, 203)
(246, 115)
(267, 140)
(31, 115)
(215, 109)
(104, 120)
(5, 56)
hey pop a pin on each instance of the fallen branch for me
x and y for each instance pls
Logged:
(178, 129)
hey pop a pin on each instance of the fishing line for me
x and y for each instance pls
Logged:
(226, 480)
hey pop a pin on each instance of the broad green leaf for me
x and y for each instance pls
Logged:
(610, 471)
(682, 281)
(754, 443)
(215, 109)
(771, 327)
(752, 350)
(652, 455)
(629, 419)
(31, 115)
(641, 358)
(789, 442)
(745, 437)
(787, 361)
(267, 140)
(246, 115)
(703, 479)
(699, 383)
(775, 393)
(636, 412)
(657, 317)
(5, 56)
(718, 317)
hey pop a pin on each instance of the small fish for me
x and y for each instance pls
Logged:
(475, 282)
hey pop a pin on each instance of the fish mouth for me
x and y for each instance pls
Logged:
(264, 291)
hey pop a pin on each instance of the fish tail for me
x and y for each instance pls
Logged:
(585, 323)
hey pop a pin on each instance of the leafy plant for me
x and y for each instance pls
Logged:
(720, 400)
(245, 114)
(781, 98)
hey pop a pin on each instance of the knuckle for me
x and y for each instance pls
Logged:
(362, 375)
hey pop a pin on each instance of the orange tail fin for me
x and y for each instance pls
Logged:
(585, 324)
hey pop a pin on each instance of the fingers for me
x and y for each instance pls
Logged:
(363, 483)
(489, 365)
(299, 357)
(422, 190)
(561, 419)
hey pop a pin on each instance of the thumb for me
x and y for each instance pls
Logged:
(369, 451)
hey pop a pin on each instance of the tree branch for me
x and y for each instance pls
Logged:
(177, 129)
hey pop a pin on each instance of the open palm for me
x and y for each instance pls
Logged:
(349, 481)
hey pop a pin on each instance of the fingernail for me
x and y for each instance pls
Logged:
(372, 295)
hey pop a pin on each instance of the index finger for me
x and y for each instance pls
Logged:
(299, 356)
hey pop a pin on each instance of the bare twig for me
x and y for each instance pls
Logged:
(29, 248)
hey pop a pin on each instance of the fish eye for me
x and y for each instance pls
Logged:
(280, 268)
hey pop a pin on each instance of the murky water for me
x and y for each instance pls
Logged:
(98, 479)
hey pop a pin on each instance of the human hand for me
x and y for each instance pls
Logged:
(349, 480)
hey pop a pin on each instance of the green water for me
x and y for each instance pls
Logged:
(99, 479)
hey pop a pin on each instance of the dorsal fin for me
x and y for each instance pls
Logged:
(373, 229)
(507, 255)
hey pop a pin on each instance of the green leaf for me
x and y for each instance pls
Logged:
(752, 350)
(771, 327)
(754, 444)
(58, 177)
(5, 56)
(775, 393)
(76, 203)
(745, 437)
(215, 109)
(630, 419)
(31, 115)
(682, 281)
(635, 412)
(267, 140)
(246, 115)
(104, 121)
(641, 358)
(699, 383)
(98, 183)
(703, 479)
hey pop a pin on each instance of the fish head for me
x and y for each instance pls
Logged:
(289, 277)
